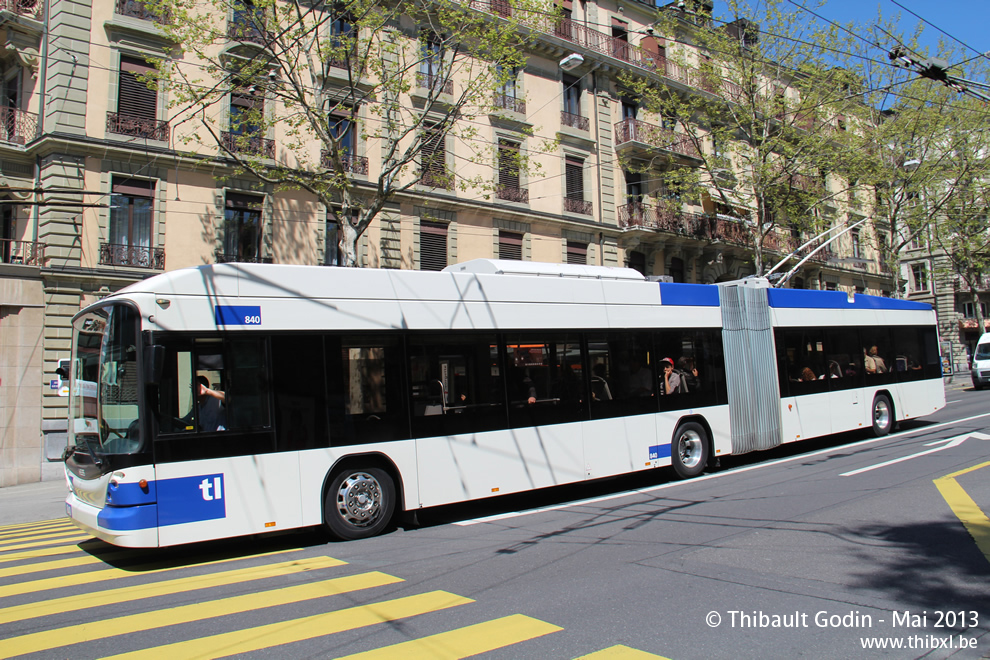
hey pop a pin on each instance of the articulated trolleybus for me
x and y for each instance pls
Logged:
(238, 399)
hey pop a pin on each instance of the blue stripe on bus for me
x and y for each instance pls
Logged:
(131, 494)
(237, 314)
(191, 499)
(697, 295)
(659, 451)
(125, 518)
(803, 299)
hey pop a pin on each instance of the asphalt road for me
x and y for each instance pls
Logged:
(811, 550)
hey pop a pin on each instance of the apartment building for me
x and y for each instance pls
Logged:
(101, 186)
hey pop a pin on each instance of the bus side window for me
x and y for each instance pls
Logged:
(174, 410)
(364, 389)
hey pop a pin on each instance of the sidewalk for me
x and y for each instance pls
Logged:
(43, 500)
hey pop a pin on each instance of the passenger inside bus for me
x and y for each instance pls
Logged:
(210, 412)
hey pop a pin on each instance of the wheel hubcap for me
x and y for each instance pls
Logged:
(359, 499)
(881, 414)
(689, 449)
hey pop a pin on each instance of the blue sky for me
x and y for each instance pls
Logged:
(966, 20)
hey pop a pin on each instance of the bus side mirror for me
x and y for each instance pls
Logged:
(154, 363)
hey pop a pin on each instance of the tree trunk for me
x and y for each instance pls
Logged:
(348, 244)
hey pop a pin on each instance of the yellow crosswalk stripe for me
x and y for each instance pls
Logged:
(61, 536)
(621, 652)
(464, 642)
(96, 599)
(319, 625)
(42, 544)
(60, 550)
(31, 525)
(37, 567)
(87, 632)
(49, 526)
(99, 577)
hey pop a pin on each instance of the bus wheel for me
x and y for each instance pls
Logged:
(359, 503)
(883, 415)
(689, 450)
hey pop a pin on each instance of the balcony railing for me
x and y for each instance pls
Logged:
(578, 206)
(250, 34)
(150, 129)
(29, 8)
(353, 164)
(252, 146)
(229, 258)
(437, 179)
(574, 121)
(432, 81)
(112, 254)
(26, 253)
(512, 194)
(634, 130)
(136, 9)
(507, 102)
(17, 126)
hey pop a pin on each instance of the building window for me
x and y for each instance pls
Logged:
(637, 261)
(130, 242)
(856, 247)
(577, 253)
(574, 186)
(432, 245)
(433, 159)
(969, 310)
(431, 64)
(137, 104)
(507, 95)
(677, 269)
(571, 115)
(342, 41)
(331, 253)
(247, 115)
(509, 187)
(510, 245)
(919, 277)
(242, 228)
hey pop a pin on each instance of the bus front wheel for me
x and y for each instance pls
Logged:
(359, 503)
(689, 450)
(883, 415)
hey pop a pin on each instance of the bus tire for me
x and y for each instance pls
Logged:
(359, 503)
(883, 415)
(689, 450)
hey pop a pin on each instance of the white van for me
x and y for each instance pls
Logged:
(981, 362)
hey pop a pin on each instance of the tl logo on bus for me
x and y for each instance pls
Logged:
(191, 499)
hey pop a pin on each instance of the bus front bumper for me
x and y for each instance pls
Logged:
(128, 527)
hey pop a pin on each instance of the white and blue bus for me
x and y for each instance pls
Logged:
(237, 399)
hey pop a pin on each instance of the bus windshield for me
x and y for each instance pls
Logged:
(103, 406)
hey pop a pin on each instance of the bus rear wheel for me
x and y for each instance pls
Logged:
(689, 450)
(359, 503)
(883, 415)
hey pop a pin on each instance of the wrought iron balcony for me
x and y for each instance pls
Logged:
(17, 126)
(512, 194)
(26, 253)
(574, 121)
(507, 102)
(136, 9)
(436, 179)
(351, 163)
(247, 33)
(634, 130)
(228, 258)
(435, 82)
(112, 254)
(29, 8)
(578, 206)
(239, 143)
(150, 129)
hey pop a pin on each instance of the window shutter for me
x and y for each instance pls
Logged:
(510, 245)
(434, 158)
(574, 178)
(134, 99)
(133, 187)
(577, 253)
(508, 164)
(432, 245)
